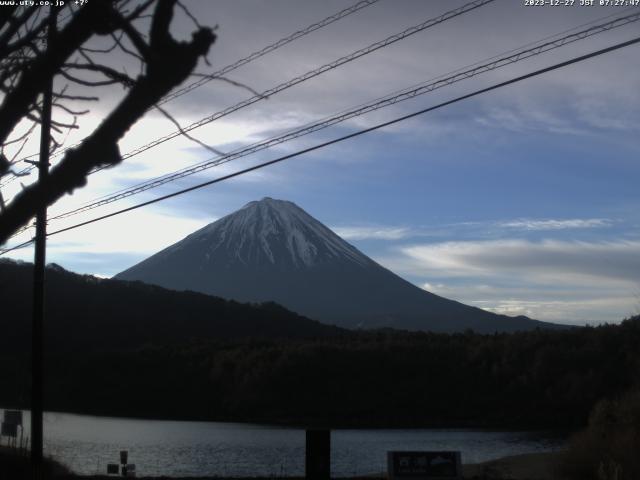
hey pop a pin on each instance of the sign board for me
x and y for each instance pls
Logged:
(113, 469)
(424, 465)
(124, 456)
(13, 416)
(129, 470)
(9, 429)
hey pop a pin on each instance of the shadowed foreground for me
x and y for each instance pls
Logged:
(15, 466)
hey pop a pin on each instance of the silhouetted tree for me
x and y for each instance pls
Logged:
(185, 354)
(28, 61)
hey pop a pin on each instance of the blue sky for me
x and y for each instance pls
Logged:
(521, 201)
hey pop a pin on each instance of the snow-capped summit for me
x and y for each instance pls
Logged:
(272, 250)
(276, 232)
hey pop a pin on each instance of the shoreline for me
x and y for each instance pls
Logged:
(298, 424)
(528, 466)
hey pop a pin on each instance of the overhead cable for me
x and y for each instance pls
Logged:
(237, 64)
(313, 73)
(355, 112)
(354, 134)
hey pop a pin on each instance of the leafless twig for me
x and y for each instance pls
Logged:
(179, 127)
(235, 83)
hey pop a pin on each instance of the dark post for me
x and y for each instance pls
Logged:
(318, 455)
(124, 458)
(37, 343)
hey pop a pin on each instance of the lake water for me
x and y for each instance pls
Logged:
(87, 444)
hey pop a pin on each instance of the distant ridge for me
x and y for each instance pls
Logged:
(89, 313)
(272, 250)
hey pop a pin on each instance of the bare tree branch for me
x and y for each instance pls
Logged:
(14, 26)
(189, 14)
(136, 39)
(21, 137)
(6, 14)
(139, 10)
(235, 83)
(7, 49)
(167, 64)
(75, 97)
(70, 111)
(5, 167)
(193, 139)
(109, 72)
(87, 83)
(88, 21)
(19, 151)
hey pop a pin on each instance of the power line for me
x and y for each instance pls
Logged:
(396, 92)
(270, 48)
(345, 59)
(313, 73)
(30, 168)
(356, 134)
(238, 63)
(306, 76)
(16, 247)
(365, 108)
(392, 99)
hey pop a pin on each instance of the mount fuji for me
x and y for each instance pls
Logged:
(272, 250)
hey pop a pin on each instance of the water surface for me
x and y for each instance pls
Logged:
(87, 444)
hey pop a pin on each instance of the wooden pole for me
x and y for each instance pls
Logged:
(37, 333)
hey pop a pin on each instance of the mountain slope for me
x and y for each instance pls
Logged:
(88, 313)
(272, 250)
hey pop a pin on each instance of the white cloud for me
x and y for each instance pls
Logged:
(613, 114)
(375, 233)
(552, 224)
(546, 260)
(567, 303)
(522, 119)
(139, 234)
(580, 312)
(564, 281)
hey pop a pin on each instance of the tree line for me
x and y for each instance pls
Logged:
(536, 379)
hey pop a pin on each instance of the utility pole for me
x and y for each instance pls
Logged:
(37, 333)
